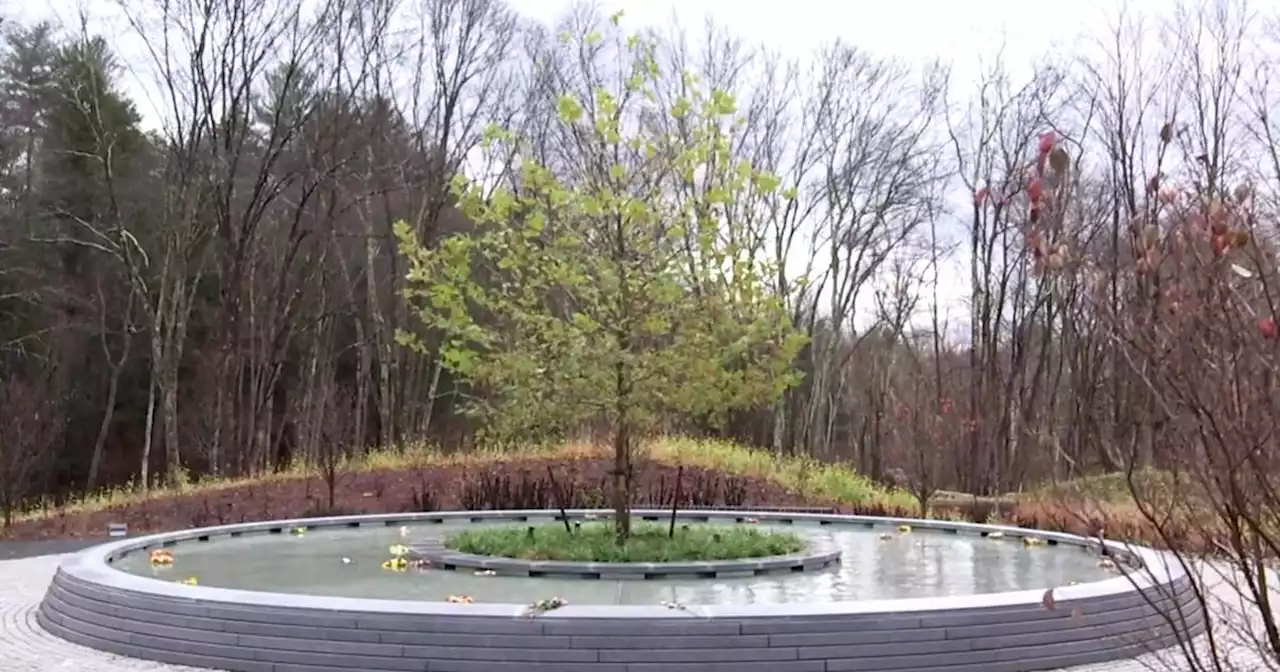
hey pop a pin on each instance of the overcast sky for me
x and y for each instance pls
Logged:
(963, 33)
(967, 34)
(917, 29)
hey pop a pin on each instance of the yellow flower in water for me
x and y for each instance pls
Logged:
(904, 528)
(161, 556)
(459, 599)
(298, 531)
(397, 550)
(189, 581)
(396, 564)
(1033, 541)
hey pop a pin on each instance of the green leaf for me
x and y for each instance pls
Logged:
(767, 182)
(606, 287)
(681, 108)
(722, 103)
(568, 108)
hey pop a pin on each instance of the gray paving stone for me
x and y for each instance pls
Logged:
(780, 666)
(488, 666)
(30, 647)
(475, 640)
(681, 642)
(911, 638)
(503, 654)
(701, 656)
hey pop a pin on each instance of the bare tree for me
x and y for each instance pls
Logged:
(116, 363)
(459, 81)
(876, 178)
(29, 431)
(991, 138)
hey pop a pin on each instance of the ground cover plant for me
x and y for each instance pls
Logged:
(648, 542)
(716, 474)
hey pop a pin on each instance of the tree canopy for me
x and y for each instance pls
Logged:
(622, 295)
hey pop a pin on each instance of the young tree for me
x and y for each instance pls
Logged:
(616, 294)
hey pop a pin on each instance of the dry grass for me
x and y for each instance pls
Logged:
(806, 477)
(415, 457)
(1117, 487)
(1080, 506)
(1120, 521)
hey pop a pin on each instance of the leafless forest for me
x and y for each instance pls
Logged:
(221, 295)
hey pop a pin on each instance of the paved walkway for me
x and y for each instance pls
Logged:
(26, 647)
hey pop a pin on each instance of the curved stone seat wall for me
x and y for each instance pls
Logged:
(95, 605)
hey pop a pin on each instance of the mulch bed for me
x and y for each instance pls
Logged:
(528, 484)
(519, 484)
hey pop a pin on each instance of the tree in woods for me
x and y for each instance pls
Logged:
(617, 295)
(192, 299)
(28, 432)
(93, 149)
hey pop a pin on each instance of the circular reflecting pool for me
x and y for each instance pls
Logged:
(347, 562)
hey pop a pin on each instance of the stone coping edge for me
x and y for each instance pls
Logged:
(817, 555)
(1152, 572)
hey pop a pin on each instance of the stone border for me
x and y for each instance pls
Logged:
(817, 555)
(93, 604)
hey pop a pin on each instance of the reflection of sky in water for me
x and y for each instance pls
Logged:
(919, 564)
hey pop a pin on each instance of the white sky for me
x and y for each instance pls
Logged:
(964, 33)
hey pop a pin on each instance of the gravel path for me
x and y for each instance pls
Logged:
(26, 647)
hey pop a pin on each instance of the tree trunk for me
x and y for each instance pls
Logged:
(108, 416)
(779, 424)
(622, 481)
(179, 309)
(113, 392)
(157, 364)
(169, 411)
(360, 431)
(382, 339)
(433, 388)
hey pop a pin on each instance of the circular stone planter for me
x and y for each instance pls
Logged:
(817, 555)
(1153, 606)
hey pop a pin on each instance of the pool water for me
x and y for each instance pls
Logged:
(347, 562)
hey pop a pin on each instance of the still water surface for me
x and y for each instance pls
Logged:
(918, 564)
